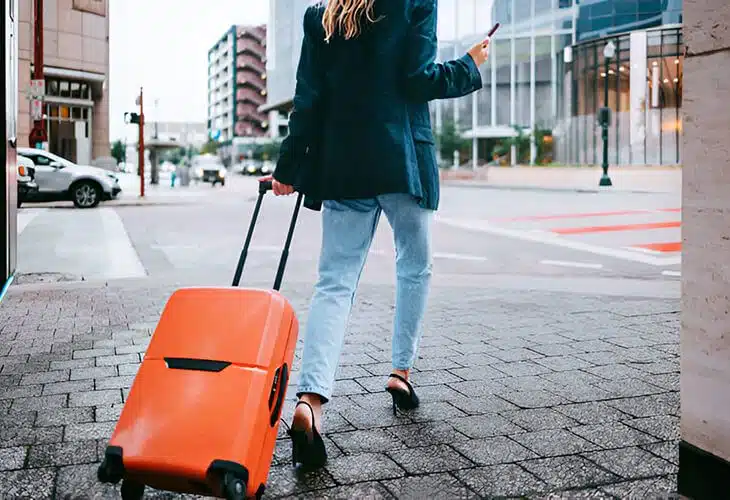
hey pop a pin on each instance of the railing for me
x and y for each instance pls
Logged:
(247, 94)
(248, 60)
(252, 78)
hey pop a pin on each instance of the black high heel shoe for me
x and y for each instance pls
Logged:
(308, 448)
(403, 400)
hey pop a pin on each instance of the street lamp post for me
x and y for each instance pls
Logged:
(604, 114)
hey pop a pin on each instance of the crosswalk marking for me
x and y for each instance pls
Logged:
(617, 228)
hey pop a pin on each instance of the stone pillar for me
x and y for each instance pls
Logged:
(704, 452)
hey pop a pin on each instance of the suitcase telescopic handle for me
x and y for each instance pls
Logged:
(264, 187)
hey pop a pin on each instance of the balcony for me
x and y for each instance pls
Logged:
(250, 130)
(250, 95)
(249, 48)
(257, 33)
(247, 60)
(245, 109)
(252, 79)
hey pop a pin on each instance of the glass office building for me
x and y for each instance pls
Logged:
(547, 74)
(644, 80)
(522, 90)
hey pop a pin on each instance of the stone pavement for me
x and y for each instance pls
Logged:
(525, 394)
(625, 179)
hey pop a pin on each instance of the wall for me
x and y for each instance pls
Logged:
(73, 39)
(283, 47)
(705, 337)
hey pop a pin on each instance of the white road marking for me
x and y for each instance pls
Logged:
(458, 256)
(563, 263)
(644, 250)
(26, 216)
(676, 274)
(122, 257)
(560, 242)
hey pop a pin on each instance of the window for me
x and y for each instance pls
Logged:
(39, 160)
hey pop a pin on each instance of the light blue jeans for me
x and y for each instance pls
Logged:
(348, 228)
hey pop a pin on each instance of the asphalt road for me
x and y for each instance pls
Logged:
(619, 240)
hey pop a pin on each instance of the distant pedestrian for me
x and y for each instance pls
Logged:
(173, 177)
(360, 139)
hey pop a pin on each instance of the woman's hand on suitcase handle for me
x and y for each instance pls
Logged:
(277, 187)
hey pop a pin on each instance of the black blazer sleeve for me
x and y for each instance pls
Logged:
(426, 80)
(304, 125)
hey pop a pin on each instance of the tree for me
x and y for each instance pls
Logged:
(119, 152)
(521, 141)
(174, 156)
(210, 147)
(450, 140)
(270, 150)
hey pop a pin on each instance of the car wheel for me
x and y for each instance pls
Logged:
(19, 203)
(85, 194)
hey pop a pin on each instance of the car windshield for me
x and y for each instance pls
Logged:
(208, 162)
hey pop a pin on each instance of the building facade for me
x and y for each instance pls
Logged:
(546, 78)
(8, 179)
(237, 84)
(644, 79)
(186, 133)
(283, 47)
(522, 91)
(76, 70)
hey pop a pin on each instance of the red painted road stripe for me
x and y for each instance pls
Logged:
(583, 215)
(623, 227)
(662, 247)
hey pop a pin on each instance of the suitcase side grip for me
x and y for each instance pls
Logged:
(283, 381)
(202, 365)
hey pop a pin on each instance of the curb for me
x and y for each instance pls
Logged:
(517, 187)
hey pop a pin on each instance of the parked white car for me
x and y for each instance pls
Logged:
(60, 179)
(26, 179)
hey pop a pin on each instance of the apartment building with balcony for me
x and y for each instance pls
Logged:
(237, 84)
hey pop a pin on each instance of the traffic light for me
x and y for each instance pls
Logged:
(131, 118)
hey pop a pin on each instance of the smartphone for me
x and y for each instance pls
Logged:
(494, 28)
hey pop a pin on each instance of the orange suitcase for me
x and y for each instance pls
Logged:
(203, 412)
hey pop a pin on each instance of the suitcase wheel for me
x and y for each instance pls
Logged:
(132, 490)
(109, 471)
(234, 488)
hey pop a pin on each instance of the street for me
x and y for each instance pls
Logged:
(549, 364)
(479, 234)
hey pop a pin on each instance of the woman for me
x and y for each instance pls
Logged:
(360, 139)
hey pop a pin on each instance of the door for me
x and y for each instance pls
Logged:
(49, 177)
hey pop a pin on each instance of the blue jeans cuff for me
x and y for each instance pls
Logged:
(323, 395)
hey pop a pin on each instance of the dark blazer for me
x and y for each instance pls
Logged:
(360, 126)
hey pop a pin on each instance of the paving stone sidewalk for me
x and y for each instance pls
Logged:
(524, 394)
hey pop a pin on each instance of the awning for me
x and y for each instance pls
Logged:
(73, 74)
(285, 105)
(491, 132)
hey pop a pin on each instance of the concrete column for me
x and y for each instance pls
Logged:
(704, 453)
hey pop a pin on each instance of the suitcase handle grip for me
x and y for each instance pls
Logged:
(264, 187)
(283, 383)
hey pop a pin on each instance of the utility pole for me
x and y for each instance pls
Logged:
(38, 132)
(141, 143)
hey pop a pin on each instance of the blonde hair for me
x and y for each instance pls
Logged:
(345, 17)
